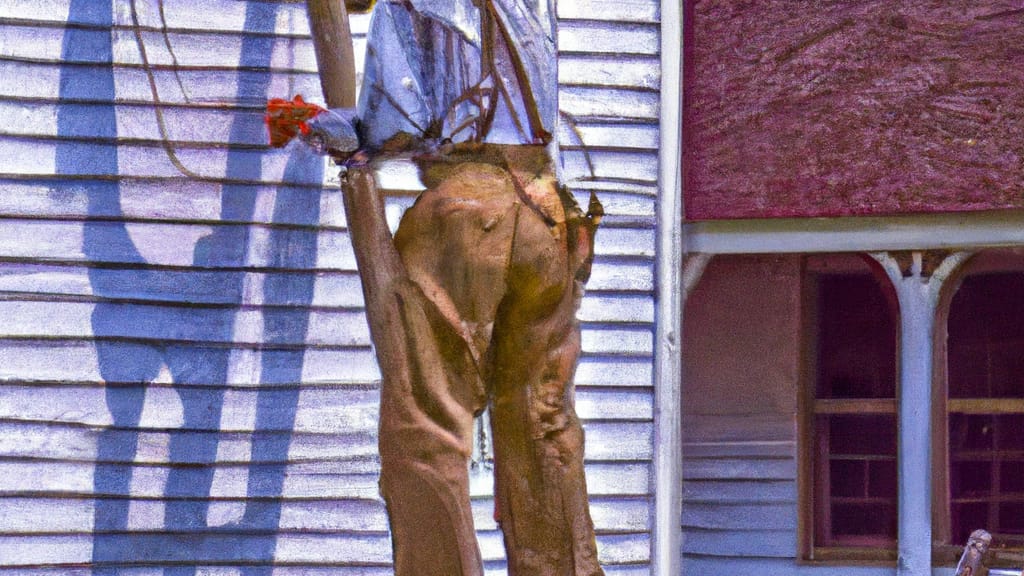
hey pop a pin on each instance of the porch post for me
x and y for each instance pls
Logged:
(917, 288)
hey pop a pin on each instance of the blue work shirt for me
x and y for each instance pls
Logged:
(450, 69)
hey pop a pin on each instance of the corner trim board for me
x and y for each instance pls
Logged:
(666, 537)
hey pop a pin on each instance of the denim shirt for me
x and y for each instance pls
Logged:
(441, 70)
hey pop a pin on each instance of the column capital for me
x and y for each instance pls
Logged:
(928, 268)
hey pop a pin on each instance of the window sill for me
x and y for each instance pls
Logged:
(996, 557)
(846, 556)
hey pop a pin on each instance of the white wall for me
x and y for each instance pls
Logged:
(158, 325)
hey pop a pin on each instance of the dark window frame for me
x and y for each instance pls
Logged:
(1008, 549)
(818, 541)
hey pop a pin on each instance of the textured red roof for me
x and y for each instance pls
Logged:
(817, 108)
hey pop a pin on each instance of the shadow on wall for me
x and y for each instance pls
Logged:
(135, 342)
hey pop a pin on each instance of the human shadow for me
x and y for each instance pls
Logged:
(144, 320)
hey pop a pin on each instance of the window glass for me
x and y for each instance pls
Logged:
(855, 419)
(986, 405)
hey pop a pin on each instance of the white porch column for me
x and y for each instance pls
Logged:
(917, 289)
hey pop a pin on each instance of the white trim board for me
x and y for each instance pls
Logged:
(860, 234)
(666, 537)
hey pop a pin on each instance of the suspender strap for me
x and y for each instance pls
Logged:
(522, 78)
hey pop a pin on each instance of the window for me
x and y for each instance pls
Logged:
(852, 476)
(985, 406)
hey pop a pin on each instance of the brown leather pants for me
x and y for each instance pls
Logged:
(497, 257)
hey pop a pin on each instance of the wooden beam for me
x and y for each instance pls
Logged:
(332, 42)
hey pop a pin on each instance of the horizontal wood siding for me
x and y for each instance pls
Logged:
(741, 372)
(739, 487)
(186, 377)
(609, 71)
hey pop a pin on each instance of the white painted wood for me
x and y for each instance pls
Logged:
(492, 569)
(918, 296)
(614, 372)
(668, 457)
(37, 158)
(616, 308)
(607, 103)
(709, 565)
(606, 164)
(739, 489)
(739, 469)
(609, 71)
(76, 361)
(192, 124)
(213, 15)
(618, 341)
(290, 548)
(159, 244)
(738, 449)
(335, 410)
(741, 492)
(693, 269)
(616, 10)
(625, 276)
(739, 516)
(218, 50)
(54, 319)
(603, 37)
(740, 543)
(624, 242)
(170, 201)
(612, 135)
(176, 301)
(28, 516)
(198, 86)
(863, 234)
(330, 480)
(333, 290)
(618, 187)
(174, 244)
(606, 441)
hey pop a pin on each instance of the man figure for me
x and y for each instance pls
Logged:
(493, 257)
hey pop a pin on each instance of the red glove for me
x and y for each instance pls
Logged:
(285, 120)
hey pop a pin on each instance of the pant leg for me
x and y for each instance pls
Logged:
(455, 243)
(538, 441)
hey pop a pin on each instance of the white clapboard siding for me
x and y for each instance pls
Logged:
(43, 45)
(168, 200)
(739, 489)
(646, 11)
(31, 79)
(302, 548)
(198, 16)
(65, 241)
(194, 339)
(608, 37)
(598, 103)
(608, 441)
(36, 157)
(490, 569)
(353, 478)
(321, 410)
(37, 515)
